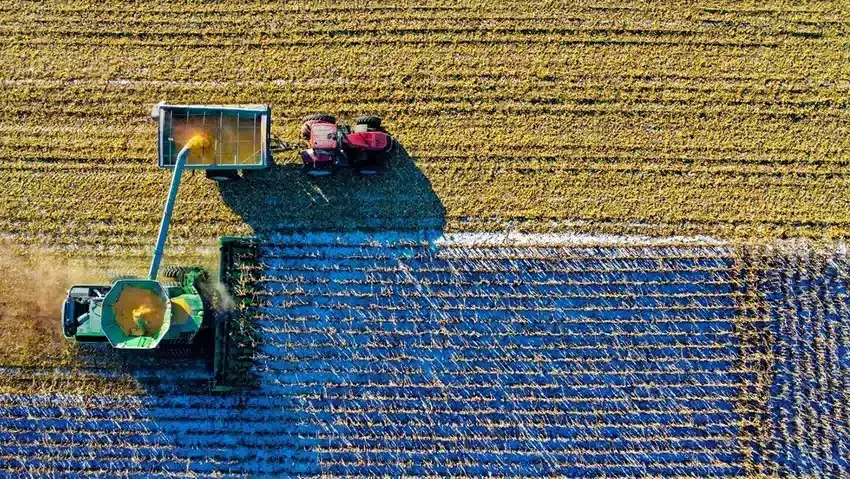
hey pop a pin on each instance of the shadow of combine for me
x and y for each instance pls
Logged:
(165, 396)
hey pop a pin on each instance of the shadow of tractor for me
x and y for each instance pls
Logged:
(282, 198)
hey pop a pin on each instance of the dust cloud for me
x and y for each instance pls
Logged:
(32, 291)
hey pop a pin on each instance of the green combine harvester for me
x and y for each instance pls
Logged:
(150, 313)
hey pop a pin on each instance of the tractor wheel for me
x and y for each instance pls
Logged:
(372, 121)
(319, 117)
(312, 171)
(305, 127)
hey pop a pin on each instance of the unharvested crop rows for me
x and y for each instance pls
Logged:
(660, 119)
(391, 354)
(811, 331)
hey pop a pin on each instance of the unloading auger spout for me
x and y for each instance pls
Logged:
(197, 141)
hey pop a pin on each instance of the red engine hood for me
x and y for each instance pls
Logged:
(367, 141)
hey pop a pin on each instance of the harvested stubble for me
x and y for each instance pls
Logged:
(659, 118)
(34, 357)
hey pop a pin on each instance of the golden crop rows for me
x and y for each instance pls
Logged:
(660, 118)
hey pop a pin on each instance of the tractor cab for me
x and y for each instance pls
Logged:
(364, 147)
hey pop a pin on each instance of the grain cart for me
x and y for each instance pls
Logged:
(147, 313)
(364, 147)
(240, 137)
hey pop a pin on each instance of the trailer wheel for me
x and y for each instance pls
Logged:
(371, 121)
(222, 176)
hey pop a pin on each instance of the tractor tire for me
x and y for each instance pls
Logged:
(319, 117)
(305, 127)
(315, 172)
(371, 121)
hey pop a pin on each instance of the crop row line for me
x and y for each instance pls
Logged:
(254, 32)
(497, 293)
(397, 41)
(378, 268)
(152, 407)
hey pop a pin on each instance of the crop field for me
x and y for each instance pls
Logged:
(727, 118)
(611, 241)
(400, 353)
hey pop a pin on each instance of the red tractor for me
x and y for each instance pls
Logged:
(364, 147)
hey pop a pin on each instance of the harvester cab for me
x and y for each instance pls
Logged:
(149, 313)
(138, 313)
(364, 147)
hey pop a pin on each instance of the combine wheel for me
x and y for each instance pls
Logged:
(175, 272)
(371, 121)
(178, 273)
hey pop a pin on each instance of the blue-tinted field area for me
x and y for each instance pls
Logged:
(810, 390)
(402, 355)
